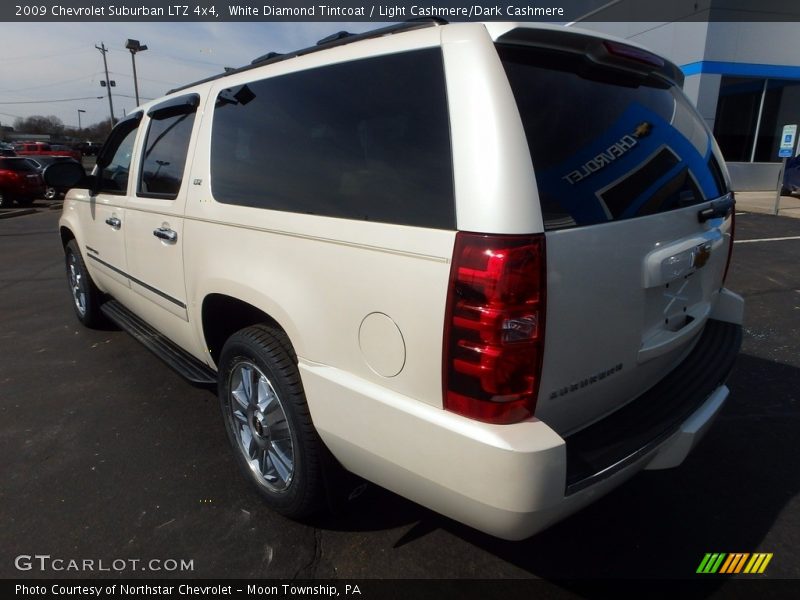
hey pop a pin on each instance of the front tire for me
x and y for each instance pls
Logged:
(268, 422)
(85, 295)
(50, 193)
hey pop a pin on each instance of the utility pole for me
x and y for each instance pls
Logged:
(102, 48)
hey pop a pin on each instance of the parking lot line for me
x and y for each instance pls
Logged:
(777, 239)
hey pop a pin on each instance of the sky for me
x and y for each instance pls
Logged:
(58, 62)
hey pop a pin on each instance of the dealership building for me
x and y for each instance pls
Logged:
(744, 78)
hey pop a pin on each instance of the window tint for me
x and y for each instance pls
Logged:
(114, 163)
(165, 155)
(607, 145)
(17, 164)
(367, 139)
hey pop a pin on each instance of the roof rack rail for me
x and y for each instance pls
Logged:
(339, 35)
(337, 39)
(262, 58)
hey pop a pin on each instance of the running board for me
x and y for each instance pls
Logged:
(177, 358)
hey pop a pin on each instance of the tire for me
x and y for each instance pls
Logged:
(25, 201)
(268, 422)
(50, 193)
(85, 295)
(5, 201)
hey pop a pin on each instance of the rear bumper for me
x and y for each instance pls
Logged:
(514, 480)
(635, 430)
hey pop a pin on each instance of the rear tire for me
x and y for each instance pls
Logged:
(85, 295)
(268, 422)
(50, 193)
(5, 201)
(25, 201)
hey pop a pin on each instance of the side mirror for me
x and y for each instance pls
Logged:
(64, 175)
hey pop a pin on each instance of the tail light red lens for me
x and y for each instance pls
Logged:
(494, 326)
(730, 248)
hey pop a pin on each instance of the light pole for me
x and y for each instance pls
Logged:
(80, 110)
(134, 46)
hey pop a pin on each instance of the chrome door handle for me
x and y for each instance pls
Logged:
(114, 222)
(166, 234)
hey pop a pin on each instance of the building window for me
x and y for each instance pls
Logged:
(781, 107)
(751, 113)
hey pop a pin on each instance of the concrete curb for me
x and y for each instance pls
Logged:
(19, 212)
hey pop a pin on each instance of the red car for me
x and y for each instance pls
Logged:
(45, 149)
(20, 181)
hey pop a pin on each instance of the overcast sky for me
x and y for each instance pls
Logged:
(58, 61)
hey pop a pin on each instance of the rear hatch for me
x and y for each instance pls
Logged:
(636, 211)
(28, 179)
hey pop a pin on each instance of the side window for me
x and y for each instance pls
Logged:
(366, 139)
(114, 163)
(165, 148)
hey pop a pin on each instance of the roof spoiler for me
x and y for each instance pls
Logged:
(606, 52)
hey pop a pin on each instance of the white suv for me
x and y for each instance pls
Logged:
(480, 265)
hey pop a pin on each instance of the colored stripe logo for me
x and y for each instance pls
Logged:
(736, 562)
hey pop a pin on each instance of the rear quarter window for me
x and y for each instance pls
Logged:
(607, 145)
(366, 140)
(17, 164)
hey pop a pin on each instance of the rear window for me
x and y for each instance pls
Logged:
(17, 164)
(608, 145)
(366, 139)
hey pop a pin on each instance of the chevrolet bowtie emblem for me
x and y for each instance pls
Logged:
(701, 255)
(643, 129)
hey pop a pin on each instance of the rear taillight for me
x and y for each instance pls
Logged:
(730, 248)
(494, 326)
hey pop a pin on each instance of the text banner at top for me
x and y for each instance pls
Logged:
(556, 11)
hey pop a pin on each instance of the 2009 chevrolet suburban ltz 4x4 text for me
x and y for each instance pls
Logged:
(480, 265)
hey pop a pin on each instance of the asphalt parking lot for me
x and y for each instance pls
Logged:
(109, 454)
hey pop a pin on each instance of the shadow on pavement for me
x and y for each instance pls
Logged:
(724, 498)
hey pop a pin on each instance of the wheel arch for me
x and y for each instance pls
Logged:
(66, 235)
(223, 315)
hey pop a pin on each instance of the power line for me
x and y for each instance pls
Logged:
(50, 101)
(74, 50)
(128, 96)
(118, 74)
(37, 87)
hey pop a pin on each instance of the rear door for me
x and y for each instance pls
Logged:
(623, 165)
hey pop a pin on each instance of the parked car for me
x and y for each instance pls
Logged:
(482, 266)
(45, 149)
(89, 148)
(791, 177)
(20, 182)
(41, 163)
(7, 150)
